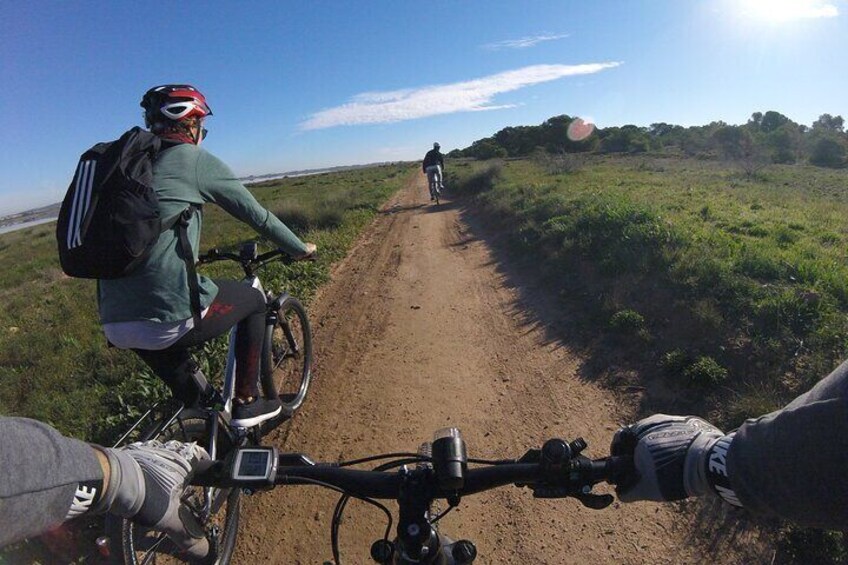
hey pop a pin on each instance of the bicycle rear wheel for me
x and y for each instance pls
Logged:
(290, 369)
(134, 544)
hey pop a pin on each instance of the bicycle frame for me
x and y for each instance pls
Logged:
(229, 389)
(229, 385)
(223, 412)
(211, 421)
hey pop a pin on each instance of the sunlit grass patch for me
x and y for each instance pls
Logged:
(751, 269)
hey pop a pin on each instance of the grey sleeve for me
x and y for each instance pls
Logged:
(793, 463)
(45, 478)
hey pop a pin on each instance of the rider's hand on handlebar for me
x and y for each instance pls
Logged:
(146, 481)
(311, 250)
(669, 455)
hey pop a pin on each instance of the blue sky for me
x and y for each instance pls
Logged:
(297, 85)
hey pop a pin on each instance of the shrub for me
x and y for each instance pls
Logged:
(828, 152)
(705, 372)
(621, 236)
(674, 362)
(480, 181)
(785, 236)
(322, 213)
(295, 216)
(627, 321)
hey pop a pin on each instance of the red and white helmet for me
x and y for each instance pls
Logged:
(174, 103)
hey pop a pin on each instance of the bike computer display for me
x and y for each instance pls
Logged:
(254, 465)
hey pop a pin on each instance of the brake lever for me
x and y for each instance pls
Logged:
(210, 256)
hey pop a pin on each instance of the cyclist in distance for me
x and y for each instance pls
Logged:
(153, 310)
(432, 166)
(790, 463)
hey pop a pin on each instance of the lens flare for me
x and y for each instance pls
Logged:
(580, 129)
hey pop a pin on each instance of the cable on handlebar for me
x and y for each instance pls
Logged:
(342, 503)
(346, 496)
(442, 514)
(490, 461)
(410, 457)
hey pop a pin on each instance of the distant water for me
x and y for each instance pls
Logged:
(16, 227)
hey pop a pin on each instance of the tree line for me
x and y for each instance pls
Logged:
(768, 137)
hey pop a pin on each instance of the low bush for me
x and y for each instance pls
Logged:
(674, 362)
(705, 372)
(627, 321)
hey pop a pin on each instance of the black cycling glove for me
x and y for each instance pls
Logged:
(674, 457)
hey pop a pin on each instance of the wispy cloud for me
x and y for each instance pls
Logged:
(523, 42)
(469, 96)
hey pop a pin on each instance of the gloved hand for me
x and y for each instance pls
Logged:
(669, 454)
(146, 481)
(311, 249)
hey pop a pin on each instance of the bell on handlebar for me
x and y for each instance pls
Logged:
(450, 461)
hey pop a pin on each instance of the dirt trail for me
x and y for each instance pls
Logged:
(419, 331)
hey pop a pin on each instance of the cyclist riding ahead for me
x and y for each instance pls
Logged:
(162, 308)
(432, 166)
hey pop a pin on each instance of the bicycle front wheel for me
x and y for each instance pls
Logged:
(290, 369)
(139, 545)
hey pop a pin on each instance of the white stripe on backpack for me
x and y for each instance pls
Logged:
(82, 200)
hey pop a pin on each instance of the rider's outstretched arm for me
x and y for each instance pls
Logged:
(790, 463)
(219, 184)
(46, 479)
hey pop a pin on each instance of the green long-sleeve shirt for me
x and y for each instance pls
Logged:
(158, 290)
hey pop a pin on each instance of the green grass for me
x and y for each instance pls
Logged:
(731, 290)
(54, 363)
(745, 279)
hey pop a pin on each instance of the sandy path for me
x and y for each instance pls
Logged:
(418, 330)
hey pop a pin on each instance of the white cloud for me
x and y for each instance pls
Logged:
(523, 42)
(469, 96)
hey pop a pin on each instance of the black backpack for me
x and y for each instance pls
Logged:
(109, 219)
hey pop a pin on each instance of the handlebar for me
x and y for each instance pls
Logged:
(557, 470)
(387, 485)
(249, 258)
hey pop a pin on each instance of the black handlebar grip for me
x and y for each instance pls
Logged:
(619, 469)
